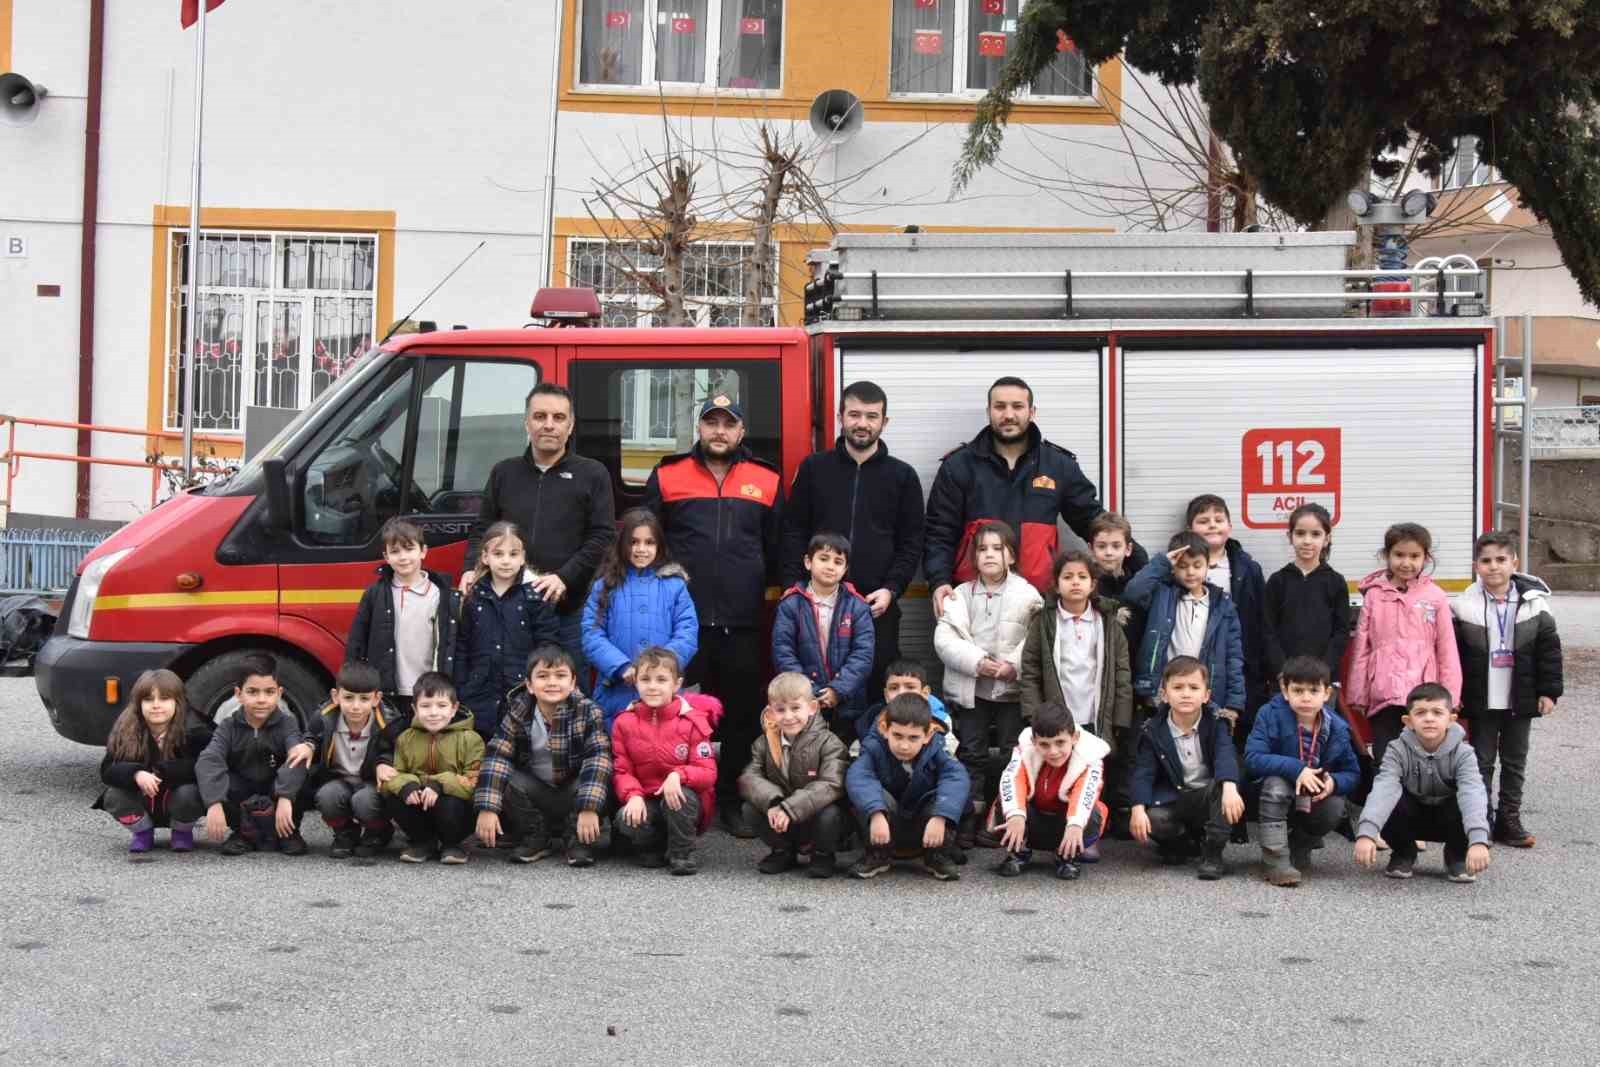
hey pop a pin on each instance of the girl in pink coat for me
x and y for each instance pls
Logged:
(1405, 636)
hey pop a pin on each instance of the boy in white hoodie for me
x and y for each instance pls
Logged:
(1050, 793)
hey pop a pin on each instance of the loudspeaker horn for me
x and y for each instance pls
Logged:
(19, 99)
(837, 115)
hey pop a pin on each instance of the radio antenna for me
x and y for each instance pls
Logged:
(407, 316)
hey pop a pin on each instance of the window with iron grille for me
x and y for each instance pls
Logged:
(714, 279)
(728, 44)
(1465, 168)
(958, 47)
(282, 315)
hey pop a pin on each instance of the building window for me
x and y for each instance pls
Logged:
(714, 281)
(729, 44)
(281, 317)
(958, 47)
(1465, 169)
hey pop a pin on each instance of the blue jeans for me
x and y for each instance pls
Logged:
(571, 638)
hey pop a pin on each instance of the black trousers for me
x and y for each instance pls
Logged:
(989, 722)
(128, 806)
(731, 666)
(1413, 821)
(446, 823)
(1196, 813)
(885, 650)
(1045, 829)
(241, 790)
(663, 828)
(533, 805)
(1506, 737)
(905, 828)
(821, 831)
(1282, 821)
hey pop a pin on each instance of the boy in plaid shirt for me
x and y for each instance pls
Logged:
(548, 768)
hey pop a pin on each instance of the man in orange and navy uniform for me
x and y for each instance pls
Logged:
(722, 509)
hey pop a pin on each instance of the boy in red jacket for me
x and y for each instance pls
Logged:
(665, 771)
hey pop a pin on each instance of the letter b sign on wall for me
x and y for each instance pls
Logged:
(1282, 469)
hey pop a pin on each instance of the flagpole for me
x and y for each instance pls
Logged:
(189, 387)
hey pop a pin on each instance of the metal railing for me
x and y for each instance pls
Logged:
(43, 561)
(1566, 431)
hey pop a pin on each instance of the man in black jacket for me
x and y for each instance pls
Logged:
(722, 510)
(1011, 473)
(562, 503)
(875, 500)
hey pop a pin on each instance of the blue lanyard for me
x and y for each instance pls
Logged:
(1501, 614)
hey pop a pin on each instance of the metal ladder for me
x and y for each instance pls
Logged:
(1523, 432)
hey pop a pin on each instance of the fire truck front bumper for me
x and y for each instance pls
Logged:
(74, 678)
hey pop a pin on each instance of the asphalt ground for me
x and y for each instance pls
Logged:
(270, 959)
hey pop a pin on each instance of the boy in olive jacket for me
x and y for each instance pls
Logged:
(794, 782)
(436, 765)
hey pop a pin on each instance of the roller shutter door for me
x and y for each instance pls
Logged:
(936, 402)
(1409, 444)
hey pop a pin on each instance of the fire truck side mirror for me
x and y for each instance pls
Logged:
(277, 492)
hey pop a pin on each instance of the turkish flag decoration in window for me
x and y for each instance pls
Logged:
(928, 42)
(993, 7)
(928, 4)
(682, 24)
(991, 45)
(753, 27)
(1064, 43)
(618, 19)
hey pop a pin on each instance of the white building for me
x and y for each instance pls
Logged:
(356, 151)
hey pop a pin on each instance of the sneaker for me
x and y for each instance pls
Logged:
(1400, 866)
(142, 841)
(1010, 867)
(237, 845)
(344, 844)
(293, 845)
(683, 865)
(580, 856)
(416, 854)
(1211, 866)
(1068, 871)
(373, 842)
(455, 855)
(1456, 871)
(987, 838)
(182, 839)
(873, 862)
(1090, 853)
(731, 818)
(941, 866)
(651, 860)
(531, 851)
(1508, 830)
(822, 865)
(1300, 860)
(777, 861)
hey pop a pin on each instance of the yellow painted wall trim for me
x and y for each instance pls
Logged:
(5, 36)
(852, 52)
(168, 217)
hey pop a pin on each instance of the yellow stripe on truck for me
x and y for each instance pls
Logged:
(225, 598)
(322, 596)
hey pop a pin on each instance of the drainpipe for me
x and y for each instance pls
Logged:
(91, 221)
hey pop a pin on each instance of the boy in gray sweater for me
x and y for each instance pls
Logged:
(1428, 789)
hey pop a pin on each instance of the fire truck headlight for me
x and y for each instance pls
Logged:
(88, 590)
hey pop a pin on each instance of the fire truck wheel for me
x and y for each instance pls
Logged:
(210, 686)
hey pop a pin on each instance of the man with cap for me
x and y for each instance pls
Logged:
(722, 510)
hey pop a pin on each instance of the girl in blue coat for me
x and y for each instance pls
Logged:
(502, 620)
(639, 598)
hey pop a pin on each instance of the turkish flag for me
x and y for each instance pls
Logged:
(992, 45)
(753, 27)
(189, 13)
(994, 7)
(683, 25)
(927, 3)
(928, 42)
(1064, 43)
(617, 20)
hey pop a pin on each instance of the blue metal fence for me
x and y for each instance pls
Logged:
(41, 561)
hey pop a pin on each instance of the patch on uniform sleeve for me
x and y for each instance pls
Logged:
(703, 750)
(1044, 481)
(681, 752)
(752, 491)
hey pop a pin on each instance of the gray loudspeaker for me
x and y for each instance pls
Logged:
(19, 99)
(837, 115)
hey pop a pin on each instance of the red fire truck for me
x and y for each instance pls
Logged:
(1381, 419)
